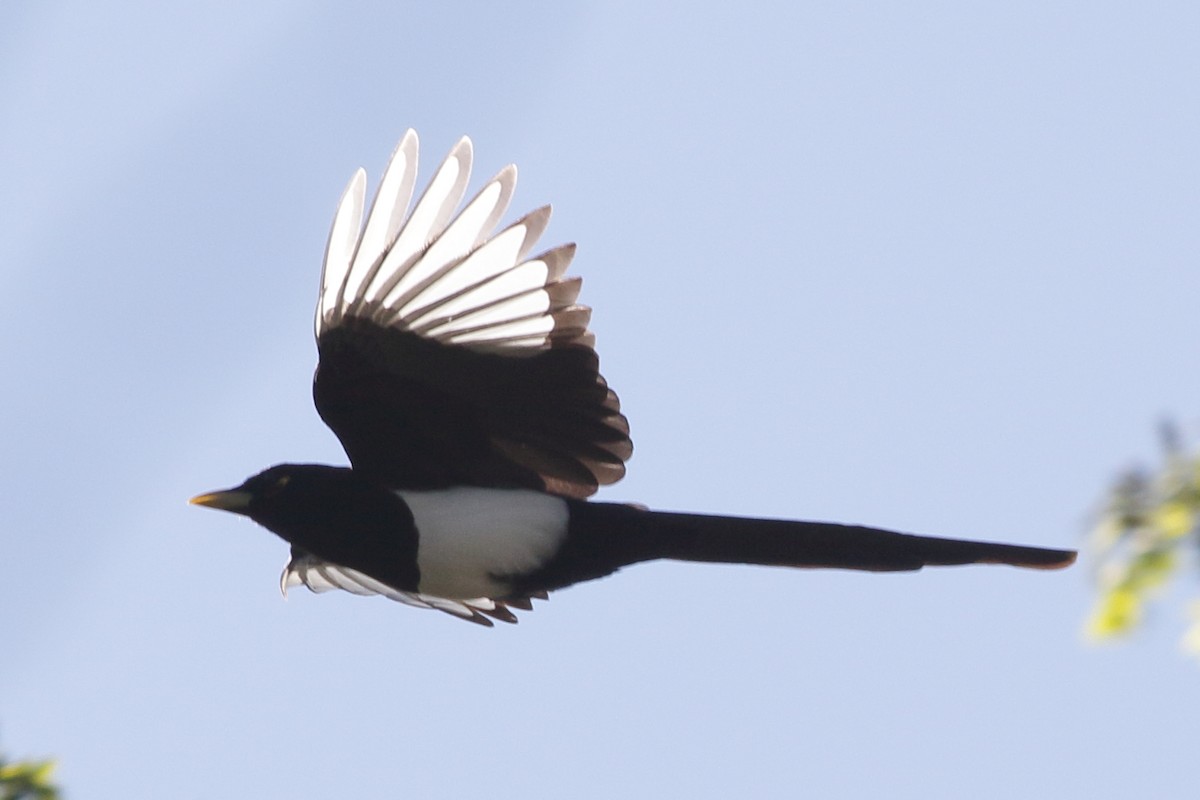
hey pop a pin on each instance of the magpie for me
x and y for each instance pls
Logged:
(460, 376)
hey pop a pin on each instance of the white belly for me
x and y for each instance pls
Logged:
(470, 538)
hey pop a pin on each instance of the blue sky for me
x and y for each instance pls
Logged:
(927, 266)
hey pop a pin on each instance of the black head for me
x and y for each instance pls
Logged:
(300, 502)
(332, 512)
(279, 492)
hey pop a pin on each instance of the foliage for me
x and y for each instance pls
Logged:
(27, 780)
(1148, 530)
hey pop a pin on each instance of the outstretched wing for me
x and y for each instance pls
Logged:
(450, 357)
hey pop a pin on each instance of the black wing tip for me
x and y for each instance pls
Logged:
(502, 611)
(477, 618)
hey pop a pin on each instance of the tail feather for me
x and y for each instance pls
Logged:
(737, 540)
(604, 537)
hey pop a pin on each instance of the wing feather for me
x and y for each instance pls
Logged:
(447, 354)
(383, 222)
(339, 250)
(421, 230)
(305, 569)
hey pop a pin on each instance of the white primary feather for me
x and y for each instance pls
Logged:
(427, 221)
(383, 222)
(460, 238)
(493, 258)
(339, 250)
(449, 277)
(527, 277)
(529, 304)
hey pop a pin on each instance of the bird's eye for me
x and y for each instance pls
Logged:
(278, 485)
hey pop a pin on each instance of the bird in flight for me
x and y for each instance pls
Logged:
(460, 376)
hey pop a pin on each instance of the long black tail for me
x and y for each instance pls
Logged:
(783, 543)
(605, 537)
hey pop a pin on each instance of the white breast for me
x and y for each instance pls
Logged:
(470, 537)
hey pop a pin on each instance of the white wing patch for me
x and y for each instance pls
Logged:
(445, 276)
(304, 569)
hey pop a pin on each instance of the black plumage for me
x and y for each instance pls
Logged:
(460, 376)
(417, 413)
